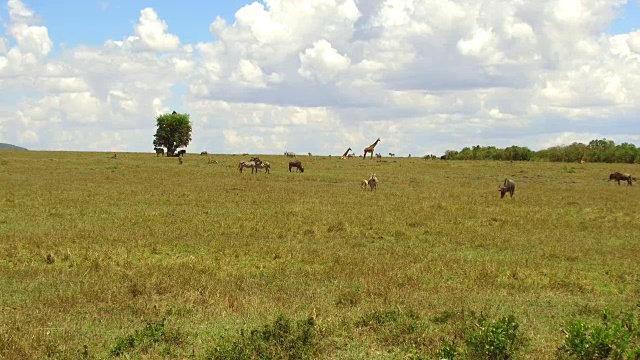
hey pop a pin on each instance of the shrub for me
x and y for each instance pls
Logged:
(284, 339)
(494, 340)
(615, 338)
(448, 351)
(148, 337)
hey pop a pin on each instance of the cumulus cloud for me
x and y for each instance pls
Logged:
(325, 75)
(152, 32)
(30, 38)
(322, 62)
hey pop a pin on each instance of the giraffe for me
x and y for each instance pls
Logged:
(369, 149)
(346, 154)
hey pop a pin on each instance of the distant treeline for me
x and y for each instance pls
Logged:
(596, 151)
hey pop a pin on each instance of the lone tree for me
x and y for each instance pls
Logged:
(174, 131)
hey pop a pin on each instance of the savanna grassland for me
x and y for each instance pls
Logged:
(139, 257)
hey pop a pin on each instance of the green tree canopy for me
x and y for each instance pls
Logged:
(174, 131)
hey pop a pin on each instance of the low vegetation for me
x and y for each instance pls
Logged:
(139, 257)
(599, 150)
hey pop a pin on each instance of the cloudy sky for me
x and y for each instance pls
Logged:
(319, 75)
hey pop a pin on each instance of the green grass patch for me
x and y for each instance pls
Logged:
(92, 247)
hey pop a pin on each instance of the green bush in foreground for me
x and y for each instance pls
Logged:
(617, 337)
(494, 340)
(284, 339)
(152, 335)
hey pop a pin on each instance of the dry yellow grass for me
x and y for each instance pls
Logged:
(92, 247)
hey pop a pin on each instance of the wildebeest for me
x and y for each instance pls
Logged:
(159, 151)
(204, 153)
(182, 152)
(392, 155)
(264, 165)
(256, 160)
(508, 186)
(617, 176)
(296, 164)
(247, 164)
(443, 157)
(372, 182)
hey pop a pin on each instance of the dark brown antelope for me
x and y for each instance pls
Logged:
(296, 164)
(509, 186)
(372, 182)
(617, 176)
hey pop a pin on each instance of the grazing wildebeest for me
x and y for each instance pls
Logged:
(159, 151)
(256, 160)
(247, 164)
(392, 155)
(296, 164)
(443, 157)
(264, 165)
(617, 176)
(181, 152)
(204, 153)
(373, 182)
(508, 186)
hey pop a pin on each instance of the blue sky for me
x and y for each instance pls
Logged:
(92, 22)
(629, 18)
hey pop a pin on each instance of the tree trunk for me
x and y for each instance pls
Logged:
(171, 149)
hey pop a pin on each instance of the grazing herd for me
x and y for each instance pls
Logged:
(371, 183)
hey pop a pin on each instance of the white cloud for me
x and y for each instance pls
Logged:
(152, 32)
(29, 137)
(325, 75)
(633, 41)
(30, 39)
(4, 47)
(322, 62)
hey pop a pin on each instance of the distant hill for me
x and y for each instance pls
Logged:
(10, 147)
